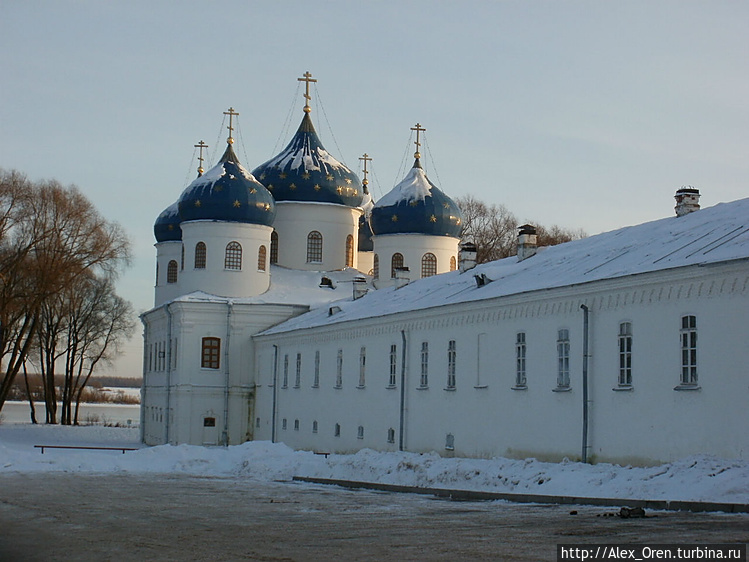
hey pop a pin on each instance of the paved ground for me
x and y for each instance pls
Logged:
(118, 517)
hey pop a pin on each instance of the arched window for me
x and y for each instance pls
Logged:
(395, 263)
(233, 256)
(453, 265)
(376, 267)
(428, 265)
(349, 251)
(314, 247)
(274, 247)
(171, 271)
(261, 258)
(200, 255)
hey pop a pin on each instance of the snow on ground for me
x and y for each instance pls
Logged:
(698, 478)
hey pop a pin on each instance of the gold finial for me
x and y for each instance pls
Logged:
(307, 78)
(201, 145)
(231, 113)
(365, 159)
(418, 128)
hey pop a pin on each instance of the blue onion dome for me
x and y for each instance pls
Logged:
(305, 171)
(416, 206)
(166, 228)
(227, 192)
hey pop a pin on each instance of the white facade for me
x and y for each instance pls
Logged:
(168, 257)
(418, 253)
(251, 245)
(298, 225)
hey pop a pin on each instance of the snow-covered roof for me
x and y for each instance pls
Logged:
(293, 287)
(415, 186)
(711, 235)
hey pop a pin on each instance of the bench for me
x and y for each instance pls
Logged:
(323, 454)
(123, 449)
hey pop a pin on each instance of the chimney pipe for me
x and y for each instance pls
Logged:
(687, 200)
(467, 256)
(527, 241)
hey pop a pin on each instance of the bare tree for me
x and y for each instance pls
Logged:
(50, 236)
(493, 228)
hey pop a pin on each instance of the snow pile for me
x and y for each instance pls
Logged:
(698, 478)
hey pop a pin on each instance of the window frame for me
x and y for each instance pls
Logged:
(452, 355)
(314, 247)
(563, 359)
(428, 265)
(172, 272)
(210, 354)
(396, 262)
(200, 255)
(688, 343)
(233, 256)
(262, 258)
(424, 372)
(521, 353)
(624, 343)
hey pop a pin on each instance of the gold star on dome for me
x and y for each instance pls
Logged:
(236, 203)
(197, 202)
(394, 218)
(432, 219)
(253, 190)
(282, 175)
(356, 192)
(457, 220)
(218, 187)
(270, 186)
(267, 206)
(317, 187)
(292, 186)
(329, 177)
(305, 175)
(348, 180)
(171, 227)
(414, 203)
(339, 189)
(446, 205)
(262, 176)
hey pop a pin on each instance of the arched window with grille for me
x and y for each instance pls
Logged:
(274, 247)
(396, 262)
(314, 247)
(233, 256)
(428, 265)
(171, 271)
(349, 251)
(200, 255)
(262, 255)
(453, 265)
(376, 267)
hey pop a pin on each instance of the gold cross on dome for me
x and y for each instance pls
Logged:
(231, 113)
(419, 129)
(201, 145)
(307, 78)
(365, 159)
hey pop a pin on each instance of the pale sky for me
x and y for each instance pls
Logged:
(586, 114)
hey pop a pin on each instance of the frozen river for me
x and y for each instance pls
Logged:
(110, 414)
(160, 517)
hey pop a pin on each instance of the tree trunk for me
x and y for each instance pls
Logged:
(28, 394)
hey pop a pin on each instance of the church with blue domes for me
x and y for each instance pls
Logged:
(291, 307)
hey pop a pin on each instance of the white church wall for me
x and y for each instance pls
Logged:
(295, 220)
(412, 247)
(484, 414)
(215, 278)
(167, 252)
(178, 381)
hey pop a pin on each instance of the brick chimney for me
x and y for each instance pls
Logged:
(687, 200)
(527, 244)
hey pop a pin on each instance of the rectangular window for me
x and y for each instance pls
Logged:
(316, 380)
(451, 356)
(296, 425)
(362, 367)
(424, 380)
(283, 424)
(285, 383)
(339, 369)
(298, 375)
(563, 358)
(625, 354)
(689, 350)
(393, 364)
(211, 353)
(520, 350)
(391, 435)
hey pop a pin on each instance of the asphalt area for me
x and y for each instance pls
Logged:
(115, 517)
